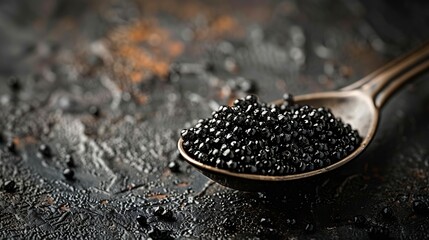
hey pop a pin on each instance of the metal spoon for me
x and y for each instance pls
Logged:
(358, 104)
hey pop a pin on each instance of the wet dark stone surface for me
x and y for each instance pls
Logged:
(113, 83)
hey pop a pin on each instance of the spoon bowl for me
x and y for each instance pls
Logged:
(358, 105)
(353, 107)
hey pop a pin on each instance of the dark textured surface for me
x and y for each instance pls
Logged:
(113, 82)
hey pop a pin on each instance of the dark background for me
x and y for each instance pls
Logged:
(112, 83)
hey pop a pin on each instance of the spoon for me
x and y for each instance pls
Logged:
(358, 104)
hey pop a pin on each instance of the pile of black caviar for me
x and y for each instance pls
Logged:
(260, 138)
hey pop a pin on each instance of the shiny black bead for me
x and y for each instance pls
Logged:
(303, 141)
(319, 154)
(199, 132)
(336, 155)
(231, 165)
(223, 109)
(14, 84)
(214, 152)
(45, 150)
(174, 166)
(218, 141)
(218, 134)
(266, 222)
(327, 162)
(228, 153)
(287, 169)
(306, 158)
(203, 147)
(234, 144)
(318, 163)
(349, 148)
(359, 220)
(387, 212)
(252, 169)
(142, 221)
(163, 213)
(186, 144)
(274, 110)
(288, 98)
(294, 134)
(168, 215)
(158, 211)
(238, 102)
(282, 118)
(309, 228)
(202, 157)
(68, 174)
(279, 169)
(301, 166)
(309, 167)
(265, 133)
(238, 152)
(9, 186)
(256, 112)
(247, 150)
(251, 132)
(219, 163)
(11, 146)
(70, 161)
(420, 207)
(191, 151)
(251, 98)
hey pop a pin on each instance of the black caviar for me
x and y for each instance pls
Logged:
(14, 84)
(260, 138)
(68, 174)
(9, 186)
(70, 161)
(163, 213)
(142, 220)
(11, 146)
(309, 228)
(420, 207)
(387, 213)
(174, 166)
(45, 150)
(360, 221)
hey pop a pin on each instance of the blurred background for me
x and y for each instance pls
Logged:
(111, 83)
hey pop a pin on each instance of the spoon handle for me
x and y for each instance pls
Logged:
(385, 81)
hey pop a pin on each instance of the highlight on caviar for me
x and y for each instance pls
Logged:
(258, 138)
